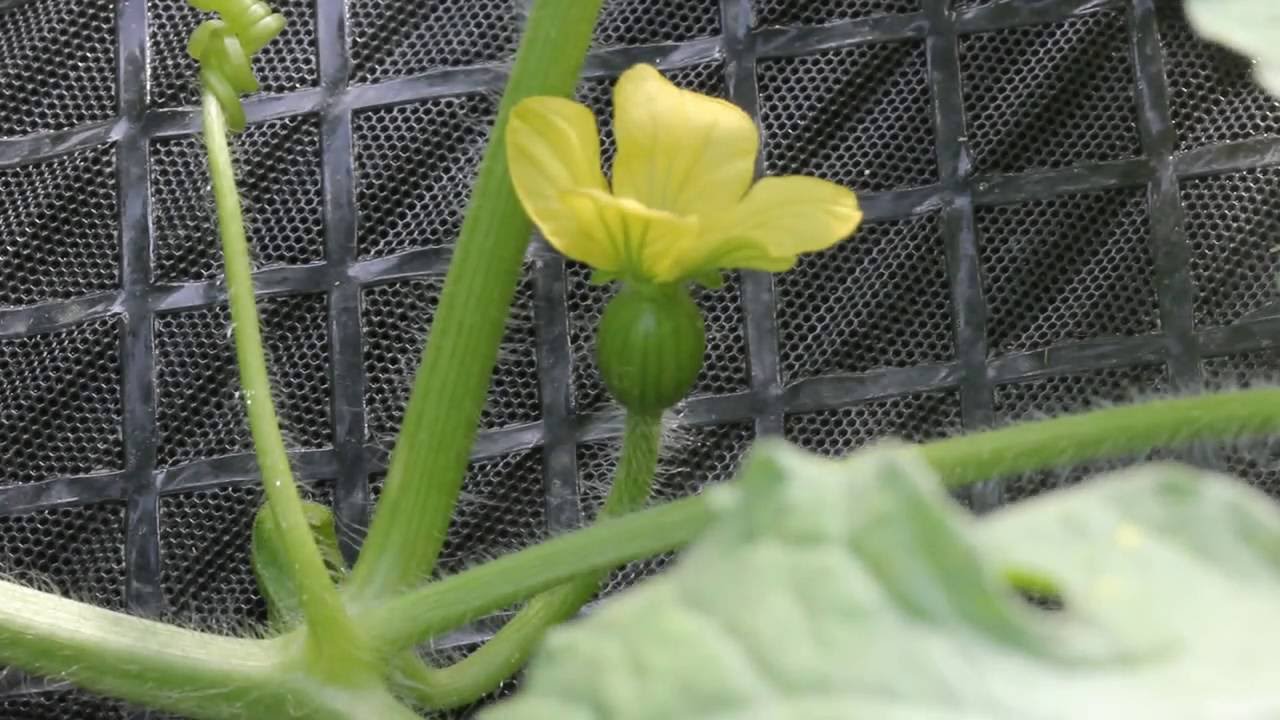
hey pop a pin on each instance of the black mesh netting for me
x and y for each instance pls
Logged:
(281, 193)
(62, 225)
(1069, 204)
(58, 61)
(199, 412)
(1051, 95)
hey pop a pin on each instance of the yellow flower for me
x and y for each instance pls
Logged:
(683, 203)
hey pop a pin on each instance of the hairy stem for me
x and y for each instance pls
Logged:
(486, 668)
(332, 637)
(139, 660)
(1114, 432)
(431, 455)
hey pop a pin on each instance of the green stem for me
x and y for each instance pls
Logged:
(454, 601)
(322, 608)
(431, 455)
(206, 676)
(1114, 432)
(163, 667)
(439, 607)
(486, 668)
(139, 660)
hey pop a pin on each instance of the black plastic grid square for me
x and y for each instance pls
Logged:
(1072, 393)
(878, 300)
(57, 65)
(75, 552)
(207, 569)
(396, 320)
(200, 413)
(60, 413)
(290, 62)
(414, 168)
(626, 23)
(831, 115)
(500, 511)
(59, 228)
(1068, 269)
(1213, 94)
(391, 39)
(279, 182)
(818, 12)
(936, 29)
(1232, 224)
(911, 418)
(1048, 96)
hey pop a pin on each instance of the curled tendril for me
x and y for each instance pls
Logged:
(224, 46)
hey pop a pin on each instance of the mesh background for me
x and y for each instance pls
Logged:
(281, 196)
(1050, 95)
(1069, 203)
(58, 63)
(1071, 268)
(63, 228)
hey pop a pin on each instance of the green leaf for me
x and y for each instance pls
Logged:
(1250, 27)
(271, 566)
(857, 589)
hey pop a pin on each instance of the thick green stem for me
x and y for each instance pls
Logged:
(139, 660)
(1113, 432)
(332, 636)
(486, 668)
(444, 408)
(163, 667)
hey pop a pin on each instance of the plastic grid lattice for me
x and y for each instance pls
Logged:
(963, 124)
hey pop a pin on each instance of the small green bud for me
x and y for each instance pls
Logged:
(650, 346)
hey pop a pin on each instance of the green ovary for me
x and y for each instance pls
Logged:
(650, 348)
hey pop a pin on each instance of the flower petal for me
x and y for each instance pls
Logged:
(779, 219)
(678, 150)
(640, 236)
(553, 148)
